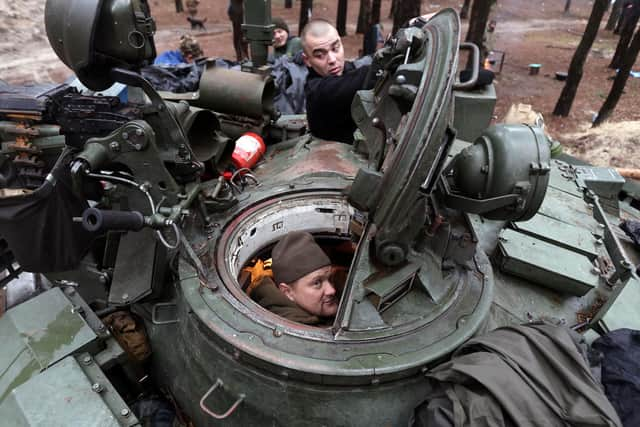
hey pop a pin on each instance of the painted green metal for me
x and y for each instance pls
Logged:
(473, 111)
(568, 236)
(67, 394)
(39, 333)
(546, 264)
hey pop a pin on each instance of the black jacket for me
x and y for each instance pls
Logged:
(329, 102)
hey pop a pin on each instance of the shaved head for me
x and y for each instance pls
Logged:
(315, 28)
(322, 48)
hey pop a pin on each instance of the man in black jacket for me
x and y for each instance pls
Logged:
(331, 84)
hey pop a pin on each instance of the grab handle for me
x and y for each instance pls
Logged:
(229, 411)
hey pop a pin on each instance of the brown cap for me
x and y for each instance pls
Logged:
(297, 255)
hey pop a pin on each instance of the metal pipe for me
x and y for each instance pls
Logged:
(236, 93)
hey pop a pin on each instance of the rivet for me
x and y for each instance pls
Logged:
(87, 360)
(401, 79)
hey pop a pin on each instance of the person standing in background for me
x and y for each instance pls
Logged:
(235, 12)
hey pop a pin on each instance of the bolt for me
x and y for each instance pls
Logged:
(86, 360)
(102, 328)
(125, 135)
(292, 186)
(97, 387)
(401, 79)
(114, 146)
(138, 147)
(277, 333)
(125, 296)
(139, 132)
(125, 412)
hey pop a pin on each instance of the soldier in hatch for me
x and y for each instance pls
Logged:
(301, 287)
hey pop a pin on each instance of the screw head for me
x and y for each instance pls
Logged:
(114, 146)
(86, 360)
(125, 412)
(97, 387)
(401, 79)
(125, 135)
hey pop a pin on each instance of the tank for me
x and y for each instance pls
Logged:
(453, 227)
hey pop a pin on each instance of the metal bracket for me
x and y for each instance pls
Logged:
(229, 411)
(624, 267)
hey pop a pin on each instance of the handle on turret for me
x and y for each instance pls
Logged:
(94, 219)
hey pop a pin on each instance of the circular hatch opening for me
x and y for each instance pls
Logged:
(253, 234)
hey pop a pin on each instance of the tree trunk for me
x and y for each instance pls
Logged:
(620, 81)
(306, 6)
(364, 16)
(563, 106)
(614, 15)
(405, 10)
(464, 11)
(392, 9)
(626, 33)
(288, 4)
(370, 39)
(480, 12)
(567, 6)
(341, 20)
(376, 5)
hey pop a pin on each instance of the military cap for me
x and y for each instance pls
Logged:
(295, 256)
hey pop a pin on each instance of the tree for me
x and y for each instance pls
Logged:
(392, 9)
(341, 19)
(480, 12)
(364, 16)
(620, 81)
(370, 39)
(306, 7)
(405, 10)
(464, 11)
(563, 106)
(376, 5)
(626, 33)
(567, 6)
(616, 9)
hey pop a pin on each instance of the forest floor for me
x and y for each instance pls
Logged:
(526, 34)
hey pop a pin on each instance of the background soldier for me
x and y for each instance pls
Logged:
(236, 15)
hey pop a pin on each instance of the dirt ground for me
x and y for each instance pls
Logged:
(526, 34)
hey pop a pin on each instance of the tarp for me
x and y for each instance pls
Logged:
(530, 375)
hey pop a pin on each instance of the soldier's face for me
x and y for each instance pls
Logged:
(314, 292)
(279, 37)
(324, 54)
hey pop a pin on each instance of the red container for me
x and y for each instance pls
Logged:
(249, 149)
